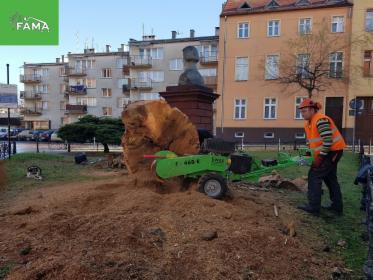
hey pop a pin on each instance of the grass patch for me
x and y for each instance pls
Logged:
(55, 169)
(332, 229)
(4, 271)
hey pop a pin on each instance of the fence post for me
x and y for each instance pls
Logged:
(370, 146)
(279, 144)
(14, 147)
(37, 143)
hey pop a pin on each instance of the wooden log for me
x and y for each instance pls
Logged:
(152, 126)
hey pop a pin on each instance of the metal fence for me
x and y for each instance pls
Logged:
(6, 150)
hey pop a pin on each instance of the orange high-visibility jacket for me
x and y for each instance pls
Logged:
(314, 138)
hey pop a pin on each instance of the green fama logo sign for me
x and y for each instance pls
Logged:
(29, 22)
(32, 24)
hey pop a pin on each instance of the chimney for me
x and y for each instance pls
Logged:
(148, 37)
(174, 33)
(217, 29)
(192, 33)
(57, 60)
(122, 47)
(62, 58)
(107, 48)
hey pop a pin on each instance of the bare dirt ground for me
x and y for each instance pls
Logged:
(130, 228)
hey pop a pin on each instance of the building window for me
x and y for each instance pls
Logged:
(156, 76)
(305, 26)
(240, 109)
(149, 96)
(91, 83)
(40, 89)
(45, 72)
(242, 68)
(62, 71)
(243, 30)
(62, 105)
(106, 73)
(176, 64)
(369, 21)
(239, 134)
(269, 135)
(123, 61)
(336, 65)
(273, 28)
(303, 61)
(298, 101)
(270, 108)
(208, 72)
(63, 88)
(154, 53)
(107, 111)
(106, 92)
(89, 101)
(300, 135)
(272, 64)
(337, 24)
(368, 66)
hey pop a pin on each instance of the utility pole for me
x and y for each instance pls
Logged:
(7, 81)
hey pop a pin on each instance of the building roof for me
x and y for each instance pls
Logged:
(134, 42)
(43, 64)
(89, 54)
(234, 7)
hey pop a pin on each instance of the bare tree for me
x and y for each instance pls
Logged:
(314, 61)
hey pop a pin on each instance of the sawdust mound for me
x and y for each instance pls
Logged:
(152, 126)
(117, 229)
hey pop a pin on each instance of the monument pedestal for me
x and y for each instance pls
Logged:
(194, 101)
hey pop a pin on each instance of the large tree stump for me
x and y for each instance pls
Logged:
(152, 126)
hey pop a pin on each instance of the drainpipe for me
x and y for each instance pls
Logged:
(224, 74)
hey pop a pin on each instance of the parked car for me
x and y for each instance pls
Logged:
(55, 138)
(36, 134)
(25, 135)
(3, 133)
(14, 133)
(46, 135)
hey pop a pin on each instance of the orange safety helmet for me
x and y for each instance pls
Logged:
(310, 103)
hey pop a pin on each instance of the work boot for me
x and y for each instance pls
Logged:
(309, 209)
(333, 209)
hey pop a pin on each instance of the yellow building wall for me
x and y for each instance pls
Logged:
(359, 85)
(256, 47)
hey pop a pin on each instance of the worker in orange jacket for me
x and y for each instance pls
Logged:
(327, 144)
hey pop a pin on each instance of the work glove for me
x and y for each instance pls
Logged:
(318, 161)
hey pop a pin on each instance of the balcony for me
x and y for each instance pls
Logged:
(208, 58)
(211, 81)
(78, 90)
(141, 83)
(28, 111)
(76, 109)
(30, 95)
(138, 61)
(76, 72)
(30, 78)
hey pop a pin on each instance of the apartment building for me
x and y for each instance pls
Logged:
(253, 106)
(43, 94)
(359, 123)
(158, 63)
(96, 84)
(59, 93)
